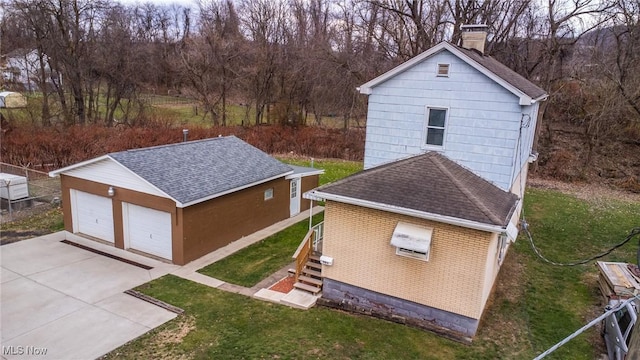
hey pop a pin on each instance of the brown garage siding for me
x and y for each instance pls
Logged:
(122, 195)
(215, 223)
(308, 183)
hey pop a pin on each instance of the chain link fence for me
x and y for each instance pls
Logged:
(24, 190)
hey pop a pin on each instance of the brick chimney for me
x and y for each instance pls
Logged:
(474, 36)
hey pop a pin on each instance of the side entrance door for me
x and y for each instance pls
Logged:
(294, 204)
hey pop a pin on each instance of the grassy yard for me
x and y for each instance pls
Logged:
(534, 306)
(334, 169)
(33, 223)
(254, 263)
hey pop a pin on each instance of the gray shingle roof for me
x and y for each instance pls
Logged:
(197, 170)
(505, 73)
(430, 183)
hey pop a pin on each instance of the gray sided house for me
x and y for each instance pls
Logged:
(420, 235)
(181, 201)
(457, 101)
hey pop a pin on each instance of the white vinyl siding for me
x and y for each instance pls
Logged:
(111, 173)
(147, 230)
(92, 215)
(443, 70)
(483, 118)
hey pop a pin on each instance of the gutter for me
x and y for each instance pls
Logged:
(320, 196)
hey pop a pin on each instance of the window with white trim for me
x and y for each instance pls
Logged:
(412, 241)
(436, 122)
(443, 70)
(268, 194)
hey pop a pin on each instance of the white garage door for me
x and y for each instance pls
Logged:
(92, 215)
(147, 230)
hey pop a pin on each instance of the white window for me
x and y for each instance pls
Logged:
(268, 194)
(443, 70)
(412, 241)
(436, 122)
(503, 242)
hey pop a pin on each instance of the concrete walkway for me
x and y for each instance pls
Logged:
(297, 298)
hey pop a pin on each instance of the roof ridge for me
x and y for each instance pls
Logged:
(476, 201)
(174, 144)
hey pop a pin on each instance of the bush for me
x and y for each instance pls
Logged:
(50, 148)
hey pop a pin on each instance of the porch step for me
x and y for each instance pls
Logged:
(302, 286)
(310, 272)
(313, 266)
(310, 280)
(314, 258)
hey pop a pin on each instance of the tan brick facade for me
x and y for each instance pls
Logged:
(457, 278)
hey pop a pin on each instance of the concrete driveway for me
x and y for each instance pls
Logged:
(58, 301)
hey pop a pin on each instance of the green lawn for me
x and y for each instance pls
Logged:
(254, 263)
(334, 169)
(559, 300)
(534, 306)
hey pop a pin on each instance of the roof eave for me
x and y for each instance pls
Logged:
(213, 196)
(320, 196)
(524, 99)
(300, 175)
(367, 88)
(55, 173)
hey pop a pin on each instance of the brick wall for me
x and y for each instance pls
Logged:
(452, 280)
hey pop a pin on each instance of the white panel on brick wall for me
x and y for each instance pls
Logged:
(147, 230)
(111, 173)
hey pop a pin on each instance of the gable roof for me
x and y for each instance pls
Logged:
(429, 186)
(196, 171)
(527, 91)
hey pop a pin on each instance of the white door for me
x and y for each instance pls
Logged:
(92, 215)
(147, 230)
(294, 204)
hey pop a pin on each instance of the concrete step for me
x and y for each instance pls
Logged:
(312, 289)
(311, 272)
(310, 280)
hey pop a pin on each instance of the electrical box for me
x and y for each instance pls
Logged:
(326, 260)
(13, 187)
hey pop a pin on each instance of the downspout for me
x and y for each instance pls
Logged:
(310, 214)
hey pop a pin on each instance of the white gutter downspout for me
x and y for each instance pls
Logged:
(310, 214)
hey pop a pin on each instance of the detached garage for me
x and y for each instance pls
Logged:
(181, 201)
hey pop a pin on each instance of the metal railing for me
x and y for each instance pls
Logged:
(319, 235)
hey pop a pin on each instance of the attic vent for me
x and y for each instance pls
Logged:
(443, 70)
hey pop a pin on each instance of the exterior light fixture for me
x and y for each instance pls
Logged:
(111, 191)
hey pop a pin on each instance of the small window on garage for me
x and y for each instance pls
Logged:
(268, 194)
(412, 241)
(443, 70)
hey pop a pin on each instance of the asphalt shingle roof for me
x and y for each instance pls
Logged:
(499, 69)
(430, 183)
(196, 170)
